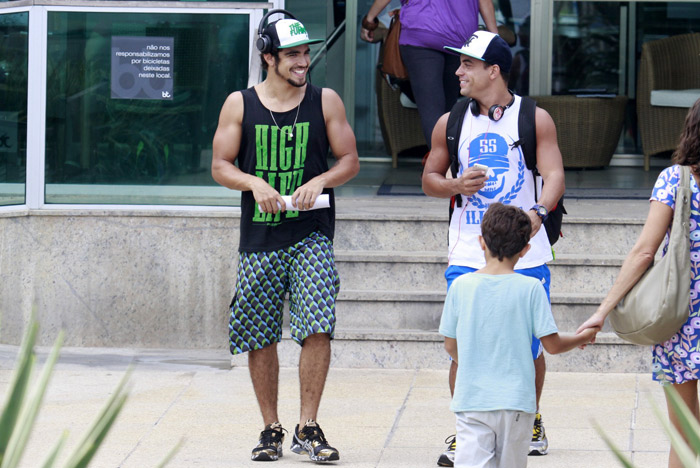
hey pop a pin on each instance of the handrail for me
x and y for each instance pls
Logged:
(327, 44)
(138, 4)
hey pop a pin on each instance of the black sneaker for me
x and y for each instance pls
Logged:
(539, 445)
(269, 447)
(310, 440)
(448, 456)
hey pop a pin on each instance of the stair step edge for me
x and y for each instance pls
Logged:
(400, 256)
(384, 295)
(607, 338)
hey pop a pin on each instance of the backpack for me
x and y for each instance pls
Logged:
(528, 142)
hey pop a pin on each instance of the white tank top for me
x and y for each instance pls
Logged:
(509, 181)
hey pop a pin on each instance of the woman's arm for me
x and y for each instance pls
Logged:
(488, 13)
(636, 263)
(371, 18)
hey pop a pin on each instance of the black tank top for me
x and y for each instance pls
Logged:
(286, 161)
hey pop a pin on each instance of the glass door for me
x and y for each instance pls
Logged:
(14, 53)
(596, 49)
(513, 19)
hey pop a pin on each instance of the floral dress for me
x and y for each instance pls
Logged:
(678, 359)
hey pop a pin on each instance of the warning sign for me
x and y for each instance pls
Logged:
(142, 67)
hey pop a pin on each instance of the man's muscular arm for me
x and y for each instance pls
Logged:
(435, 182)
(549, 165)
(342, 142)
(226, 145)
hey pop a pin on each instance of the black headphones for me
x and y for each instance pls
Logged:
(495, 111)
(265, 44)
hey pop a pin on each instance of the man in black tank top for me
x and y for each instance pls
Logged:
(272, 141)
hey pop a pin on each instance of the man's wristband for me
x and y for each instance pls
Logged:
(369, 26)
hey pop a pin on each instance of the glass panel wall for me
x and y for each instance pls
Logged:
(656, 20)
(14, 34)
(597, 48)
(513, 19)
(133, 101)
(586, 47)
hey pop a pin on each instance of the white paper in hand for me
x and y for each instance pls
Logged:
(322, 201)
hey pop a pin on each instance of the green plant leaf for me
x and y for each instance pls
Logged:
(18, 386)
(92, 443)
(685, 454)
(20, 411)
(92, 439)
(618, 453)
(30, 410)
(51, 459)
(690, 425)
(171, 454)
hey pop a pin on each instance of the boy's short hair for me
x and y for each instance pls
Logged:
(506, 230)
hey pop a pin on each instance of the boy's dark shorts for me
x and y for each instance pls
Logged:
(306, 270)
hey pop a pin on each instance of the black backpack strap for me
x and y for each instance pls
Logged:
(528, 141)
(452, 133)
(528, 136)
(527, 132)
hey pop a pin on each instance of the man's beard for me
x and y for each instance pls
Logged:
(289, 80)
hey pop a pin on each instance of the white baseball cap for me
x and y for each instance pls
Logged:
(488, 47)
(286, 33)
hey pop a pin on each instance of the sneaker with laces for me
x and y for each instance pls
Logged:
(310, 440)
(269, 447)
(448, 456)
(539, 445)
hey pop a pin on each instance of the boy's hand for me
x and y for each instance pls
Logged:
(589, 335)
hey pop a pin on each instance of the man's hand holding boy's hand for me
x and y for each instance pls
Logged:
(589, 335)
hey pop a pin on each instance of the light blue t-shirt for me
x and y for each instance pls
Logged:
(493, 319)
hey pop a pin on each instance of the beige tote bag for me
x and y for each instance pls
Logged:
(659, 304)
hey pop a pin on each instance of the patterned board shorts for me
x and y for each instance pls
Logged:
(306, 270)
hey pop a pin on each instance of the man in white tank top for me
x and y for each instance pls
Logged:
(492, 169)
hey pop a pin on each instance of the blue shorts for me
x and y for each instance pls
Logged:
(540, 272)
(305, 270)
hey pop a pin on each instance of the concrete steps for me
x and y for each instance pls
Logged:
(164, 279)
(421, 310)
(414, 349)
(391, 256)
(424, 271)
(397, 271)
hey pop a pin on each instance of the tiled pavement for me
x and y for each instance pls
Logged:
(376, 418)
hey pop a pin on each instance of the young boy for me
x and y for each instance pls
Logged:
(488, 322)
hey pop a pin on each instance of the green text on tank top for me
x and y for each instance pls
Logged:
(280, 165)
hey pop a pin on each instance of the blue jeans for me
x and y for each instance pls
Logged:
(540, 272)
